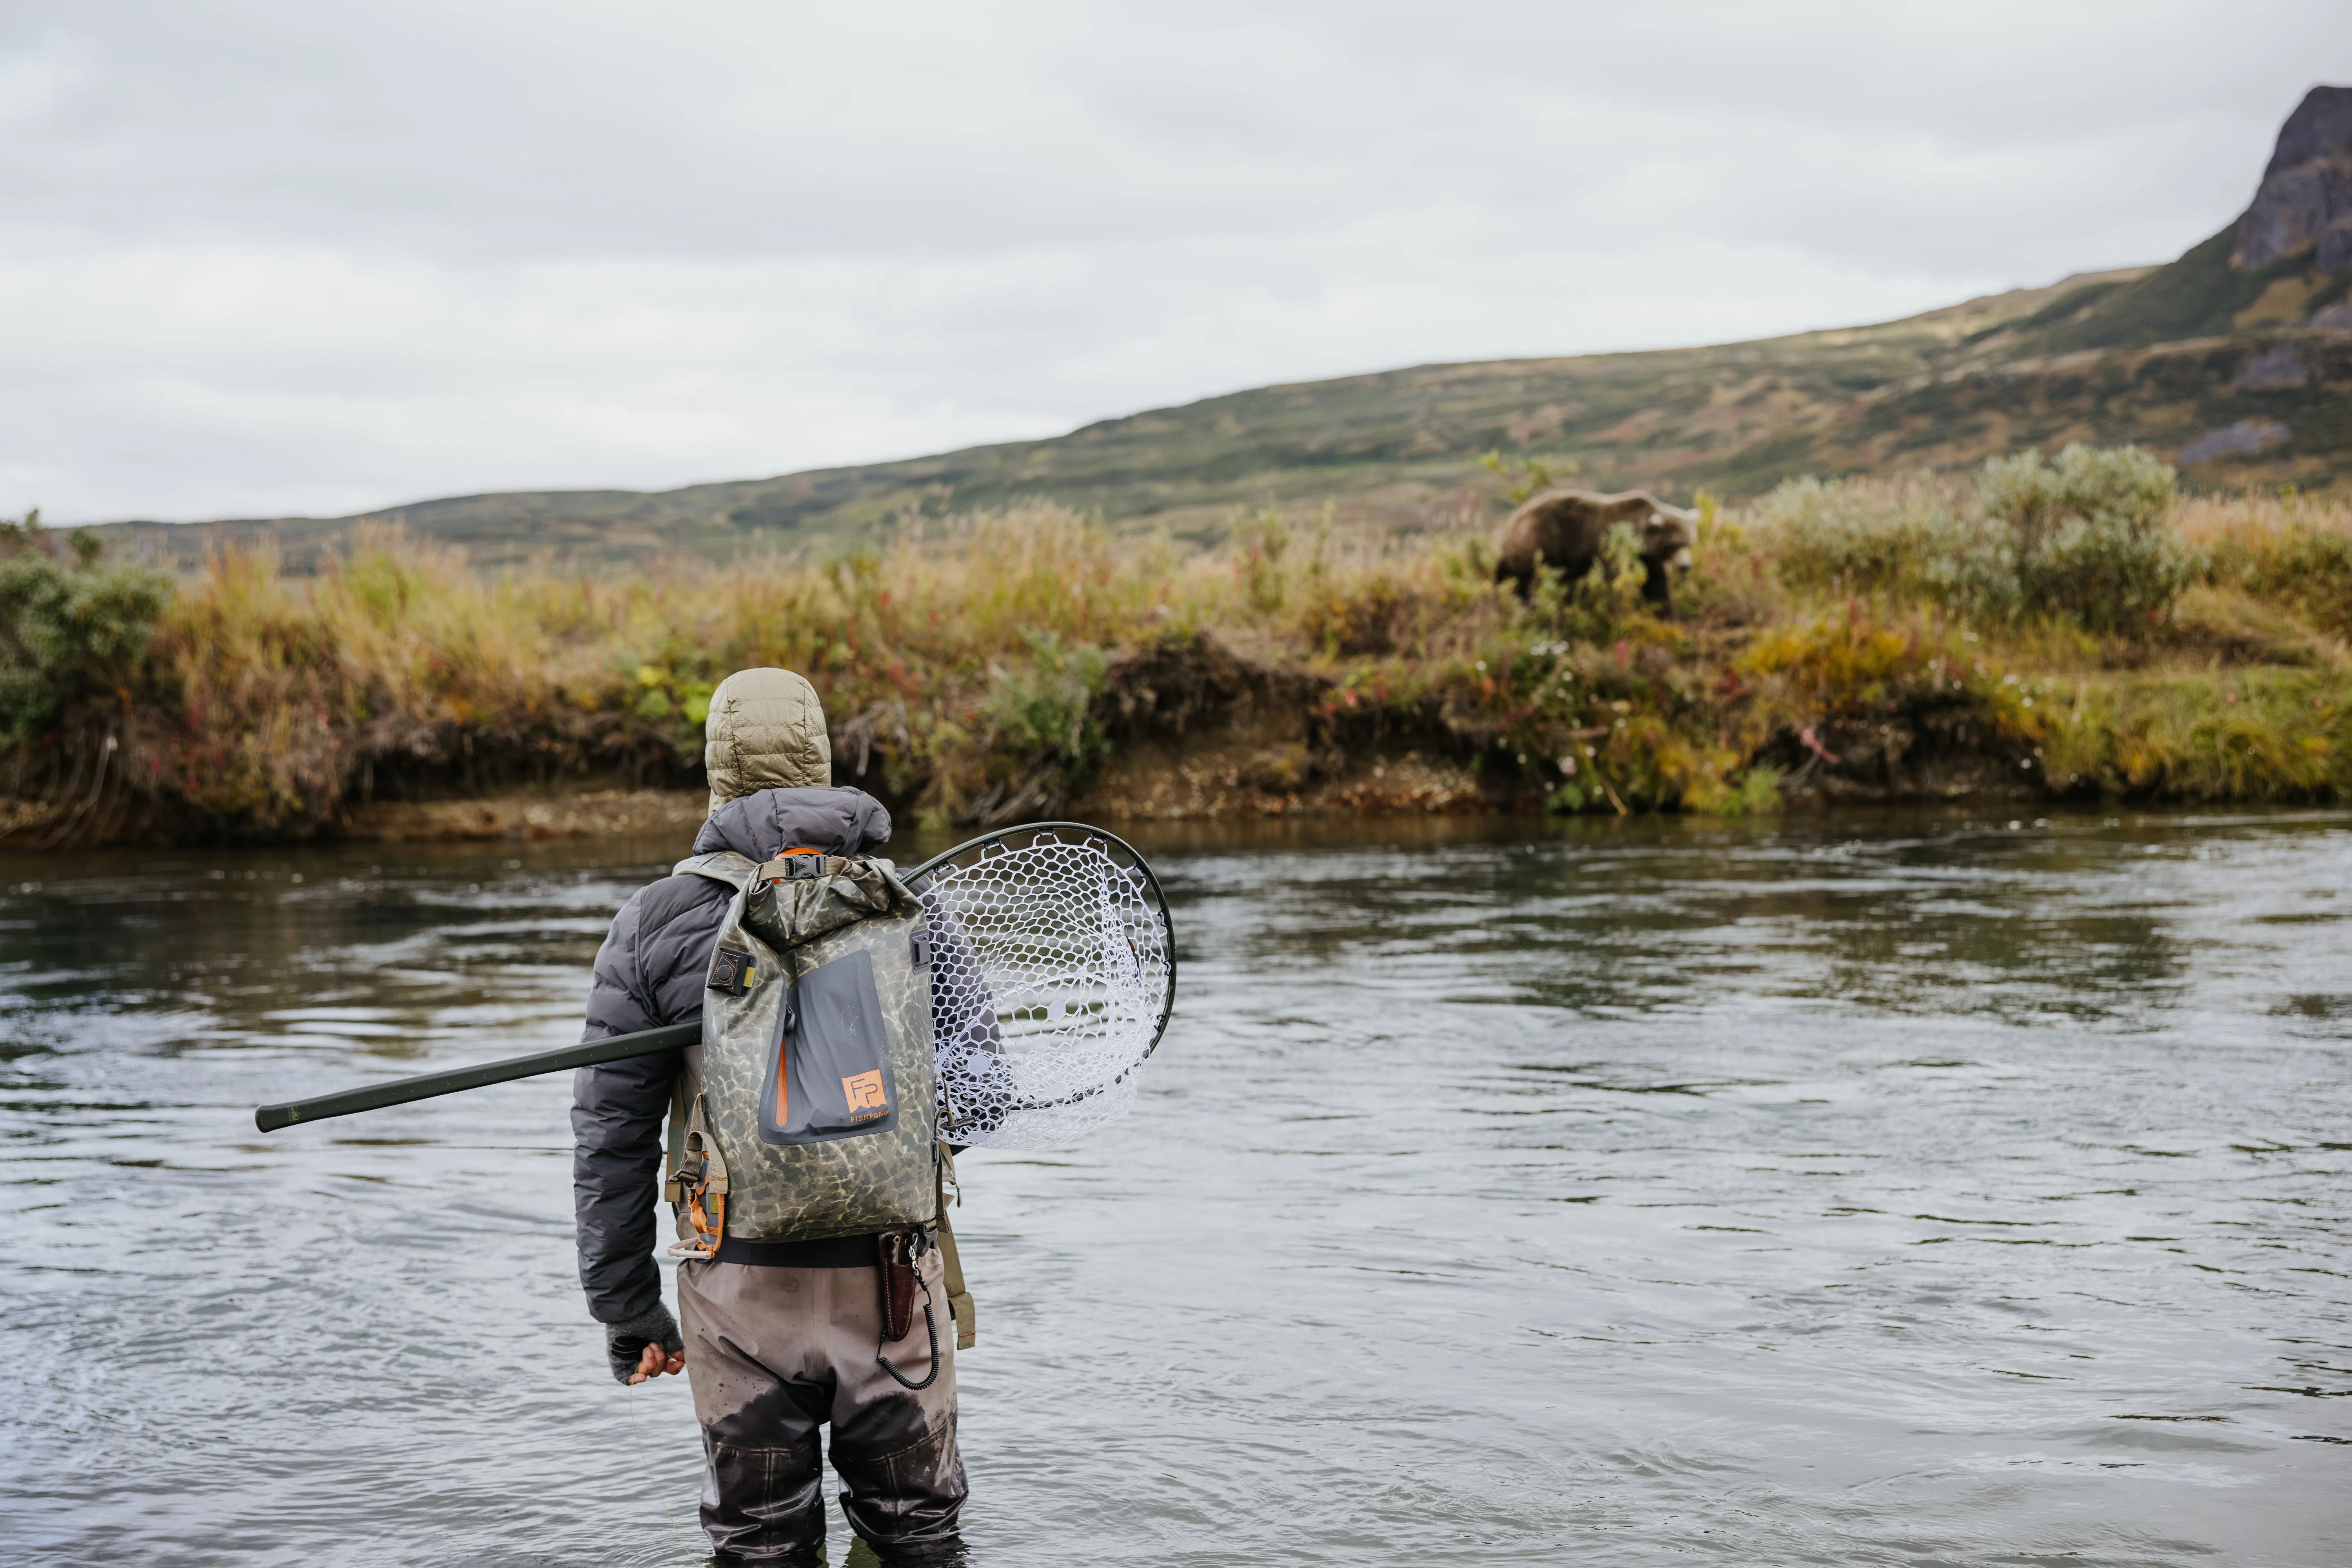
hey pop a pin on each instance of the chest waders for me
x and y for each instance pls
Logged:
(809, 1112)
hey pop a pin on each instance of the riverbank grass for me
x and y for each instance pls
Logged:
(2063, 626)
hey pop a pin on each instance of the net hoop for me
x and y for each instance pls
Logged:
(1053, 976)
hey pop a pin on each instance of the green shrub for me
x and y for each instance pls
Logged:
(1046, 710)
(1758, 794)
(2123, 485)
(69, 628)
(2094, 542)
(1846, 536)
(2106, 575)
(1828, 533)
(2086, 538)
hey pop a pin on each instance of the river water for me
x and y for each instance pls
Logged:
(1902, 1189)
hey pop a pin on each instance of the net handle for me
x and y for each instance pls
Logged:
(1151, 878)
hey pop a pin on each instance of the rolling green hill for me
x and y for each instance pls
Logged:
(2235, 361)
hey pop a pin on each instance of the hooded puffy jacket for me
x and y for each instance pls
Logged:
(649, 972)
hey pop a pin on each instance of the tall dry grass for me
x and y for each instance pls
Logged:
(975, 667)
(950, 659)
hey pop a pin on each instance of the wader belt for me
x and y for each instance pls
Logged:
(832, 1252)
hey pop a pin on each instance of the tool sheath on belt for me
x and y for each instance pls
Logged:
(902, 1250)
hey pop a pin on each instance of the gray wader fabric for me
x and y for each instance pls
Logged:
(775, 1352)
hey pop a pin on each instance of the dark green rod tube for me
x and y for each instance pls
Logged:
(424, 1086)
(645, 1042)
(376, 1096)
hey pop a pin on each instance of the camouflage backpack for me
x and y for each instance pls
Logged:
(810, 1109)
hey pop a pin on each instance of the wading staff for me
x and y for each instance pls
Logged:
(427, 1086)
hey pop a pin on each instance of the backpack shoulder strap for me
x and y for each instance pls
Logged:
(720, 866)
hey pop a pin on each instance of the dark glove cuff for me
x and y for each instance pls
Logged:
(625, 1342)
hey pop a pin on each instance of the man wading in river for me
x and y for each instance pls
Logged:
(778, 1337)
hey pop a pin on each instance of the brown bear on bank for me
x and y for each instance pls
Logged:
(1567, 526)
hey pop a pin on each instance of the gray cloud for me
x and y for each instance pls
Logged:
(267, 257)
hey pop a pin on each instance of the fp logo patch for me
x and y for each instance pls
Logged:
(866, 1097)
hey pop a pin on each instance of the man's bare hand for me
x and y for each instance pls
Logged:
(652, 1361)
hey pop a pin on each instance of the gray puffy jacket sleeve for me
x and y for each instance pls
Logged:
(649, 972)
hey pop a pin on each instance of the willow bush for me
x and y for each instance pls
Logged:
(2085, 538)
(2093, 534)
(73, 626)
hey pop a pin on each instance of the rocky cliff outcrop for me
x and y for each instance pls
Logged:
(2306, 198)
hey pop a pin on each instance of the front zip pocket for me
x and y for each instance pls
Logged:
(829, 1069)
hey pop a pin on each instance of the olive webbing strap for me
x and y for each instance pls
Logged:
(959, 1299)
(673, 1190)
(720, 865)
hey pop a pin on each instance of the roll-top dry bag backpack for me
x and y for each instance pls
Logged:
(811, 1107)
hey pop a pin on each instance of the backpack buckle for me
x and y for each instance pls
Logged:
(781, 869)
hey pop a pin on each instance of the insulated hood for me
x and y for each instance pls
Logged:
(766, 731)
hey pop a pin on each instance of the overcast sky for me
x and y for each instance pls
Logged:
(271, 257)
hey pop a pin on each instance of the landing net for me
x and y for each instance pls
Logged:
(1053, 967)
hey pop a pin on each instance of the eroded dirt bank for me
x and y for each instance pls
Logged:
(1187, 729)
(1192, 732)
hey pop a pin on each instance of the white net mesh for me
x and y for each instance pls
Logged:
(1050, 977)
